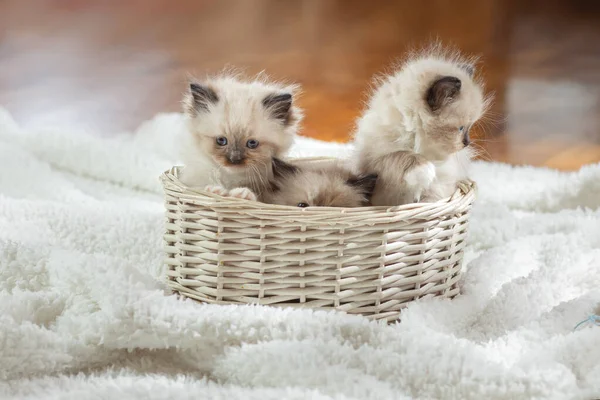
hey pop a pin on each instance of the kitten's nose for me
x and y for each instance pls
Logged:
(235, 157)
(466, 140)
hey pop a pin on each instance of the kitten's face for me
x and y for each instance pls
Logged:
(323, 187)
(452, 105)
(240, 148)
(241, 125)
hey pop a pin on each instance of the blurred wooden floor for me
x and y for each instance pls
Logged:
(108, 65)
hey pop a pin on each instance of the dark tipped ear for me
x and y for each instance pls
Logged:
(202, 96)
(279, 105)
(365, 183)
(442, 92)
(281, 168)
(469, 69)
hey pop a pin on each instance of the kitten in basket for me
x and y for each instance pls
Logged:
(235, 129)
(330, 185)
(415, 131)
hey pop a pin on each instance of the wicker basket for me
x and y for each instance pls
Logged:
(370, 260)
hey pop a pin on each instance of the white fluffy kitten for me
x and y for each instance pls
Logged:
(415, 131)
(235, 129)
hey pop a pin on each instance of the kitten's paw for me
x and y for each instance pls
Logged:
(220, 190)
(242, 193)
(420, 178)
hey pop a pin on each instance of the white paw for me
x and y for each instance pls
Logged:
(220, 190)
(242, 193)
(420, 178)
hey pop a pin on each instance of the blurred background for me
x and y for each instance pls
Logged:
(106, 66)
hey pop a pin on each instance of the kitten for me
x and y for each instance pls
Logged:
(235, 128)
(324, 186)
(415, 131)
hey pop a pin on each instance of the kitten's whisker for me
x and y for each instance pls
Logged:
(495, 121)
(217, 173)
(259, 176)
(480, 151)
(263, 176)
(256, 177)
(251, 178)
(485, 140)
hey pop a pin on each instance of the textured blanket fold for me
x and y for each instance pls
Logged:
(84, 314)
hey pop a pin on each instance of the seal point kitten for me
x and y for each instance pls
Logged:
(415, 131)
(322, 186)
(235, 129)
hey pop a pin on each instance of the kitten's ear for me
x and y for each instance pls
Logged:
(202, 97)
(365, 184)
(279, 105)
(469, 69)
(281, 168)
(442, 92)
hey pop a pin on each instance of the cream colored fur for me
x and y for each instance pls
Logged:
(238, 114)
(418, 153)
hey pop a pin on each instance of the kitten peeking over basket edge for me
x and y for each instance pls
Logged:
(235, 129)
(323, 186)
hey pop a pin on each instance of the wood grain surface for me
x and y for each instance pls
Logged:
(106, 66)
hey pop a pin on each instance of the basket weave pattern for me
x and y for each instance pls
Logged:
(369, 261)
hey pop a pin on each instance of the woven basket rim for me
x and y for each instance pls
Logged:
(465, 188)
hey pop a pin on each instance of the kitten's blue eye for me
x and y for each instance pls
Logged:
(462, 128)
(302, 205)
(221, 141)
(252, 144)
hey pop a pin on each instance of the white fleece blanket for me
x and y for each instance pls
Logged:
(83, 313)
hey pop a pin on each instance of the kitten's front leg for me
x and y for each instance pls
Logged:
(404, 176)
(419, 178)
